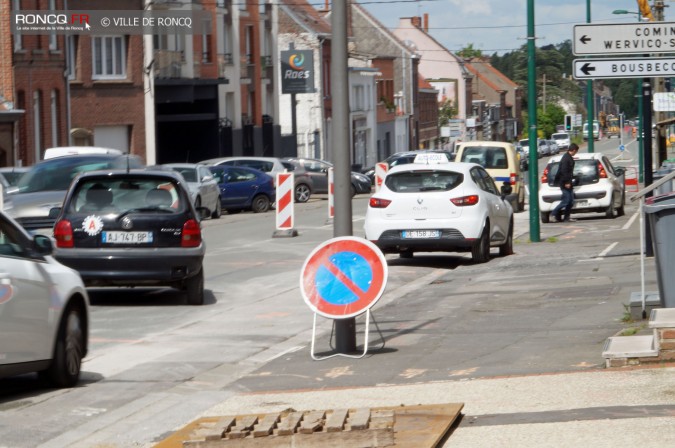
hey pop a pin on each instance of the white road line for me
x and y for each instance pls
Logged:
(630, 221)
(285, 352)
(609, 248)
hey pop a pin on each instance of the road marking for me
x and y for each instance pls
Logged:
(285, 352)
(630, 221)
(609, 248)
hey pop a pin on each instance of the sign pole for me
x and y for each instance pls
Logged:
(590, 95)
(535, 234)
(345, 329)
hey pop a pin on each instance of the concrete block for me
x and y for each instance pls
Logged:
(630, 347)
(662, 318)
(652, 301)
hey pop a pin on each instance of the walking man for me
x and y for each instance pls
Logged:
(564, 177)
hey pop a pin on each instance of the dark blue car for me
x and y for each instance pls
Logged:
(243, 188)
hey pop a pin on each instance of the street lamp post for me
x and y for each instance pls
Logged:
(640, 109)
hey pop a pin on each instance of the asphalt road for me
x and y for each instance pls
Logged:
(156, 363)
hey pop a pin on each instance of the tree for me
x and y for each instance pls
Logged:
(469, 52)
(447, 111)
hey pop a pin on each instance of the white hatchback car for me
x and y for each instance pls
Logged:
(431, 207)
(599, 186)
(44, 309)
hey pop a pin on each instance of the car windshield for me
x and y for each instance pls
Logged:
(560, 136)
(189, 174)
(585, 172)
(126, 195)
(56, 174)
(486, 156)
(427, 180)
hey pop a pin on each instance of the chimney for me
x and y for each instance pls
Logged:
(416, 21)
(426, 22)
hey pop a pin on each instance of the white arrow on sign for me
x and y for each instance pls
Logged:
(624, 68)
(624, 38)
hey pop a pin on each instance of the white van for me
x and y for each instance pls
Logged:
(501, 161)
(61, 151)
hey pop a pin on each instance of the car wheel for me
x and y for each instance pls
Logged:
(622, 210)
(545, 217)
(405, 254)
(480, 252)
(217, 211)
(302, 193)
(521, 201)
(609, 213)
(507, 248)
(64, 370)
(194, 288)
(260, 204)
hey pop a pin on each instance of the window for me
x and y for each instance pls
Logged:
(18, 43)
(55, 117)
(53, 43)
(37, 121)
(109, 57)
(71, 56)
(206, 43)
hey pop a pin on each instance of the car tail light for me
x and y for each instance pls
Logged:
(379, 203)
(465, 200)
(63, 233)
(544, 176)
(601, 171)
(192, 234)
(514, 178)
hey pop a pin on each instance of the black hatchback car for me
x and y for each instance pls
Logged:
(132, 228)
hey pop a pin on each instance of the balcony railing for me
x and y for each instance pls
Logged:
(169, 64)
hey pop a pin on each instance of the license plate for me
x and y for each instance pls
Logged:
(126, 237)
(406, 234)
(582, 203)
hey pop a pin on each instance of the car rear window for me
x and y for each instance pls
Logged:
(105, 195)
(189, 174)
(560, 136)
(486, 156)
(427, 180)
(585, 172)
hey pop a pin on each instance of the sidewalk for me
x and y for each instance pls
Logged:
(578, 276)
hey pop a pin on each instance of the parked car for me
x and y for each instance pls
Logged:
(44, 186)
(401, 158)
(61, 151)
(271, 165)
(598, 186)
(202, 185)
(318, 171)
(562, 139)
(449, 206)
(243, 188)
(543, 148)
(132, 228)
(501, 161)
(553, 146)
(12, 174)
(44, 309)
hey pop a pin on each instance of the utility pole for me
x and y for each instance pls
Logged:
(659, 86)
(535, 234)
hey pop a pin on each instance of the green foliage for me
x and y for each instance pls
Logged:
(447, 111)
(470, 52)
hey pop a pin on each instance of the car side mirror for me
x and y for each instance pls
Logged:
(619, 170)
(506, 189)
(43, 244)
(54, 212)
(203, 212)
(206, 178)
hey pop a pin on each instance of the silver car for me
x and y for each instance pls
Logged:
(40, 192)
(202, 184)
(44, 309)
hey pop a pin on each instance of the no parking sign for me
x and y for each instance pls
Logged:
(343, 277)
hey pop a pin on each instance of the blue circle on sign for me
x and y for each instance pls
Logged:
(621, 148)
(332, 289)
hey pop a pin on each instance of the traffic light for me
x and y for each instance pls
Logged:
(568, 122)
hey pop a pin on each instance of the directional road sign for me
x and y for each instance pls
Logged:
(343, 277)
(624, 38)
(624, 68)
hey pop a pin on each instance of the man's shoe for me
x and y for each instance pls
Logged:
(569, 220)
(556, 218)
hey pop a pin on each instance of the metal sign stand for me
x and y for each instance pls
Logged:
(365, 342)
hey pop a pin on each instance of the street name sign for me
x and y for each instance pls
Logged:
(624, 38)
(624, 68)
